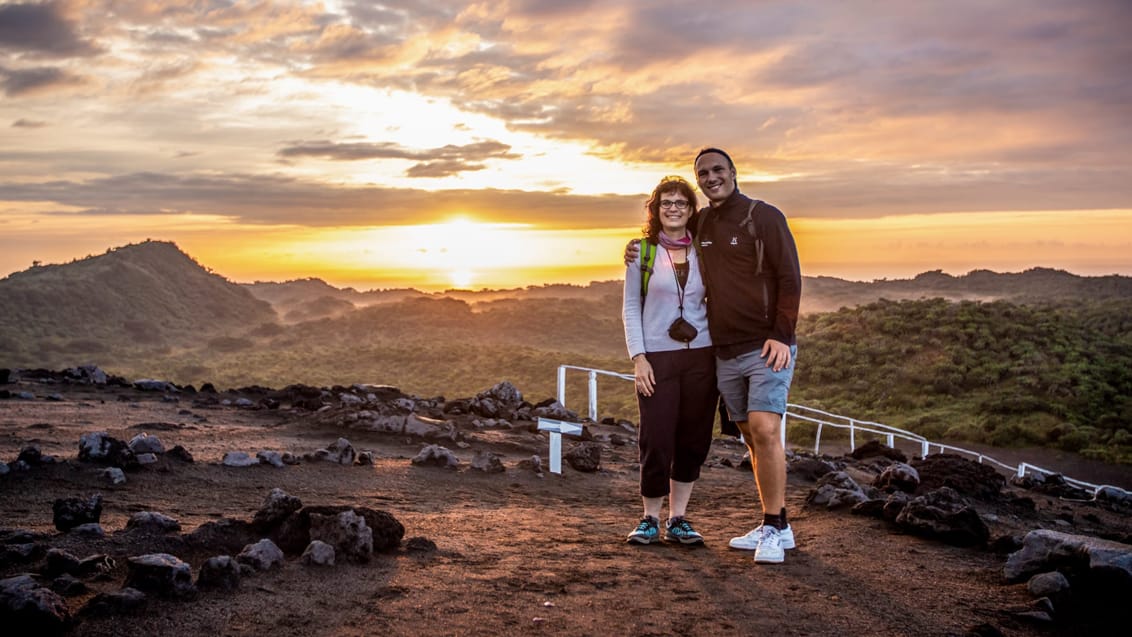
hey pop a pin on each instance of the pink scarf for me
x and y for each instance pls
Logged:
(675, 244)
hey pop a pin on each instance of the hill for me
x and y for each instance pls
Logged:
(148, 295)
(304, 299)
(1035, 358)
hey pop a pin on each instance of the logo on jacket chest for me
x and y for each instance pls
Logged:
(734, 240)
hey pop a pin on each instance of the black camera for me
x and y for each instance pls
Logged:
(682, 330)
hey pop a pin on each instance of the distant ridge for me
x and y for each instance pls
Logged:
(307, 299)
(823, 294)
(149, 293)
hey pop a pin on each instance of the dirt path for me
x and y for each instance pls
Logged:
(517, 554)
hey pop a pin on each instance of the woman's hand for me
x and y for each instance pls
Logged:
(643, 372)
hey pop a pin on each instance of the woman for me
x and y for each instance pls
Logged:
(667, 337)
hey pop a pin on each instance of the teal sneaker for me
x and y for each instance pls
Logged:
(647, 532)
(680, 530)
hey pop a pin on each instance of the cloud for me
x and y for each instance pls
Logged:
(28, 123)
(436, 162)
(41, 29)
(258, 199)
(20, 82)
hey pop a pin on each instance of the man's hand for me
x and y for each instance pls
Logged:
(777, 354)
(632, 251)
(642, 370)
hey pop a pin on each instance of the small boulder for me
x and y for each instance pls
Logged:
(318, 553)
(152, 522)
(261, 556)
(127, 601)
(219, 572)
(584, 457)
(837, 489)
(160, 573)
(72, 512)
(436, 455)
(488, 462)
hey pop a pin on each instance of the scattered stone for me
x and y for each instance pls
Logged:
(28, 608)
(1120, 499)
(145, 443)
(68, 585)
(811, 469)
(180, 453)
(114, 475)
(225, 534)
(238, 459)
(1052, 585)
(220, 572)
(534, 463)
(436, 455)
(273, 458)
(20, 552)
(898, 477)
(159, 573)
(967, 477)
(341, 452)
(346, 532)
(837, 489)
(365, 458)
(584, 457)
(99, 447)
(943, 514)
(59, 562)
(146, 458)
(318, 553)
(488, 462)
(30, 455)
(153, 522)
(127, 601)
(1044, 550)
(90, 529)
(261, 556)
(276, 507)
(72, 512)
(875, 448)
(148, 384)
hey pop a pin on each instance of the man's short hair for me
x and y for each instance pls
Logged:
(712, 149)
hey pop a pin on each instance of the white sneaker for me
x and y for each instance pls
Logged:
(750, 541)
(770, 550)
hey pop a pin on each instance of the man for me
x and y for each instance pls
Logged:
(754, 289)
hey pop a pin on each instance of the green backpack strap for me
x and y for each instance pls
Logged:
(648, 256)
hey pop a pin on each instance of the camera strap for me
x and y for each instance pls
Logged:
(679, 283)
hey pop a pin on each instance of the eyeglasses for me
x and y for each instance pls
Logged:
(679, 204)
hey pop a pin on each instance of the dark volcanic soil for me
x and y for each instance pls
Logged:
(517, 553)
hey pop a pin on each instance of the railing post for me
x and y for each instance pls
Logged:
(852, 434)
(593, 396)
(891, 441)
(562, 385)
(1022, 470)
(782, 426)
(925, 449)
(817, 440)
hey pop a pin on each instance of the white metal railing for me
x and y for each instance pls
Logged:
(803, 413)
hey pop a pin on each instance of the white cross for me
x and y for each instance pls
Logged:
(556, 429)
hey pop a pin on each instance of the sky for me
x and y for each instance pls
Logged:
(440, 144)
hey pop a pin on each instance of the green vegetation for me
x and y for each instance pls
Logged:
(1050, 367)
(1048, 374)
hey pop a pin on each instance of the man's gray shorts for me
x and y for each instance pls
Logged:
(747, 384)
